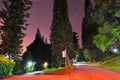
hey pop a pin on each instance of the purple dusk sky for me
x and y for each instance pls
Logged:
(41, 17)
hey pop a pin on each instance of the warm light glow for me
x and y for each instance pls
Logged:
(45, 65)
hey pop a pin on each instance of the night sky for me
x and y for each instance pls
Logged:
(41, 17)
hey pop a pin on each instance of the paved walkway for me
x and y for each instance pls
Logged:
(80, 72)
(32, 73)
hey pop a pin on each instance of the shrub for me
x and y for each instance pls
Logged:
(6, 66)
(87, 55)
(18, 69)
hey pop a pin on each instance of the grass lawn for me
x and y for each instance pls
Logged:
(53, 70)
(112, 63)
(113, 68)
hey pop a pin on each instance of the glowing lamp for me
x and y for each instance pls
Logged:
(45, 65)
(115, 50)
(29, 64)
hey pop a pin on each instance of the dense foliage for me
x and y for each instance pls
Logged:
(87, 55)
(61, 33)
(13, 16)
(100, 27)
(108, 17)
(89, 30)
(18, 68)
(6, 66)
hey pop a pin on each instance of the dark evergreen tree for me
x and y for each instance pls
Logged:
(86, 29)
(14, 14)
(61, 32)
(89, 29)
(80, 56)
(76, 42)
(38, 51)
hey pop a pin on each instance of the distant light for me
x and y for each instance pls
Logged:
(29, 64)
(45, 65)
(6, 56)
(115, 50)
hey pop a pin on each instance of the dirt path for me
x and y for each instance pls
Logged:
(81, 72)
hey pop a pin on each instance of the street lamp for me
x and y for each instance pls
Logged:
(29, 64)
(115, 50)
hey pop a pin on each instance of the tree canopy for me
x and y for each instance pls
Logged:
(108, 17)
(14, 16)
(61, 32)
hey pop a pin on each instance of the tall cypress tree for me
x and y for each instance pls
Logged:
(61, 32)
(14, 16)
(86, 28)
(89, 29)
(76, 41)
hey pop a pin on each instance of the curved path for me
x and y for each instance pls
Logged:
(80, 72)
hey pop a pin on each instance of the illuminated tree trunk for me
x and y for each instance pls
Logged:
(68, 66)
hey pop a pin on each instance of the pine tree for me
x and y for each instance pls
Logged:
(76, 41)
(61, 32)
(14, 16)
(40, 52)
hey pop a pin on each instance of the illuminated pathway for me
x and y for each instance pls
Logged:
(81, 72)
